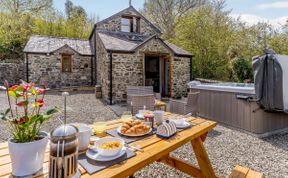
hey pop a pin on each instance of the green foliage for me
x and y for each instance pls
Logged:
(243, 69)
(166, 13)
(208, 41)
(19, 19)
(216, 40)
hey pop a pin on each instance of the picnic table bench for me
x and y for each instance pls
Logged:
(155, 149)
(243, 172)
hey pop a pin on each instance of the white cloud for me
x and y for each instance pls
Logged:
(274, 5)
(252, 19)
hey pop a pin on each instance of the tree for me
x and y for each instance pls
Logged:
(17, 7)
(77, 21)
(243, 69)
(165, 13)
(208, 41)
(19, 19)
(68, 8)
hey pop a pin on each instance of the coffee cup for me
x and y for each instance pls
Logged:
(158, 117)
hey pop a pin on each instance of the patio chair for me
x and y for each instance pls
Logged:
(139, 101)
(137, 90)
(185, 107)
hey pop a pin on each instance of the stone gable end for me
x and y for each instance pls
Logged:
(114, 24)
(154, 46)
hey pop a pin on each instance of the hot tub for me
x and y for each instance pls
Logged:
(219, 102)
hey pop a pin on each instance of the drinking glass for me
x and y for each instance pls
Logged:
(126, 116)
(99, 128)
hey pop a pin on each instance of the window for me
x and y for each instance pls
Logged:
(130, 24)
(66, 63)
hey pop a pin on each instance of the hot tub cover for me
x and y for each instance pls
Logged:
(271, 81)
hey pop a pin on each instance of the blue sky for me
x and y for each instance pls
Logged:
(251, 11)
(101, 8)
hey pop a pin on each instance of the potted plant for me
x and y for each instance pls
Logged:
(25, 120)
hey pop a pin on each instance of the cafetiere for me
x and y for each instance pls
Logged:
(64, 150)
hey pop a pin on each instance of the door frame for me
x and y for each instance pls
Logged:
(162, 56)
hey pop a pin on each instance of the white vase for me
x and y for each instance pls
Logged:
(27, 158)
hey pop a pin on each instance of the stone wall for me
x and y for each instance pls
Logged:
(128, 69)
(47, 70)
(180, 75)
(102, 61)
(12, 72)
(114, 24)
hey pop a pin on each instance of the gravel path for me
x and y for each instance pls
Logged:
(226, 147)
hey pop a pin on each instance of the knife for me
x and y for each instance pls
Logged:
(134, 148)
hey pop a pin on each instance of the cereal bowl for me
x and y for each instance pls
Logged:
(109, 146)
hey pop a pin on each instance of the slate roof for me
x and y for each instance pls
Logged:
(45, 44)
(177, 49)
(129, 42)
(120, 41)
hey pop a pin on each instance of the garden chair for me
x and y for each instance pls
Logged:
(137, 90)
(139, 101)
(185, 107)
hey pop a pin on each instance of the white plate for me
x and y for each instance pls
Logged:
(119, 131)
(139, 116)
(97, 157)
(184, 125)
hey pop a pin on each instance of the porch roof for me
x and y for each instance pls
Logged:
(47, 44)
(130, 42)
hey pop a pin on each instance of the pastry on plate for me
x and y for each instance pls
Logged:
(134, 127)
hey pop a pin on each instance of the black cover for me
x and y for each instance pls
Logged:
(268, 80)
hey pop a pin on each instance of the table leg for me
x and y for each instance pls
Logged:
(203, 137)
(202, 158)
(181, 165)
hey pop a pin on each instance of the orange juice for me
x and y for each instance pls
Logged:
(99, 128)
(126, 116)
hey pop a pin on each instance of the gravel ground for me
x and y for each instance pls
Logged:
(226, 147)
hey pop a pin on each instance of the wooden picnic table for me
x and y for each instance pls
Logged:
(155, 149)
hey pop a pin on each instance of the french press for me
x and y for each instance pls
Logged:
(64, 150)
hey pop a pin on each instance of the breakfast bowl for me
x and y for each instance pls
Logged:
(109, 146)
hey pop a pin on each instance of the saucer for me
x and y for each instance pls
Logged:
(139, 116)
(94, 155)
(184, 125)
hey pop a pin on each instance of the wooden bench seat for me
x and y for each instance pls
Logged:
(243, 172)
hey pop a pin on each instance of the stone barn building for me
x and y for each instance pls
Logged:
(122, 50)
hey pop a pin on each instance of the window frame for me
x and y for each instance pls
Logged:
(131, 23)
(62, 66)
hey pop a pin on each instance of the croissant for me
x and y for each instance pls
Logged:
(128, 123)
(126, 126)
(139, 131)
(134, 127)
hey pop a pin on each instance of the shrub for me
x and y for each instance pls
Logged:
(243, 69)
